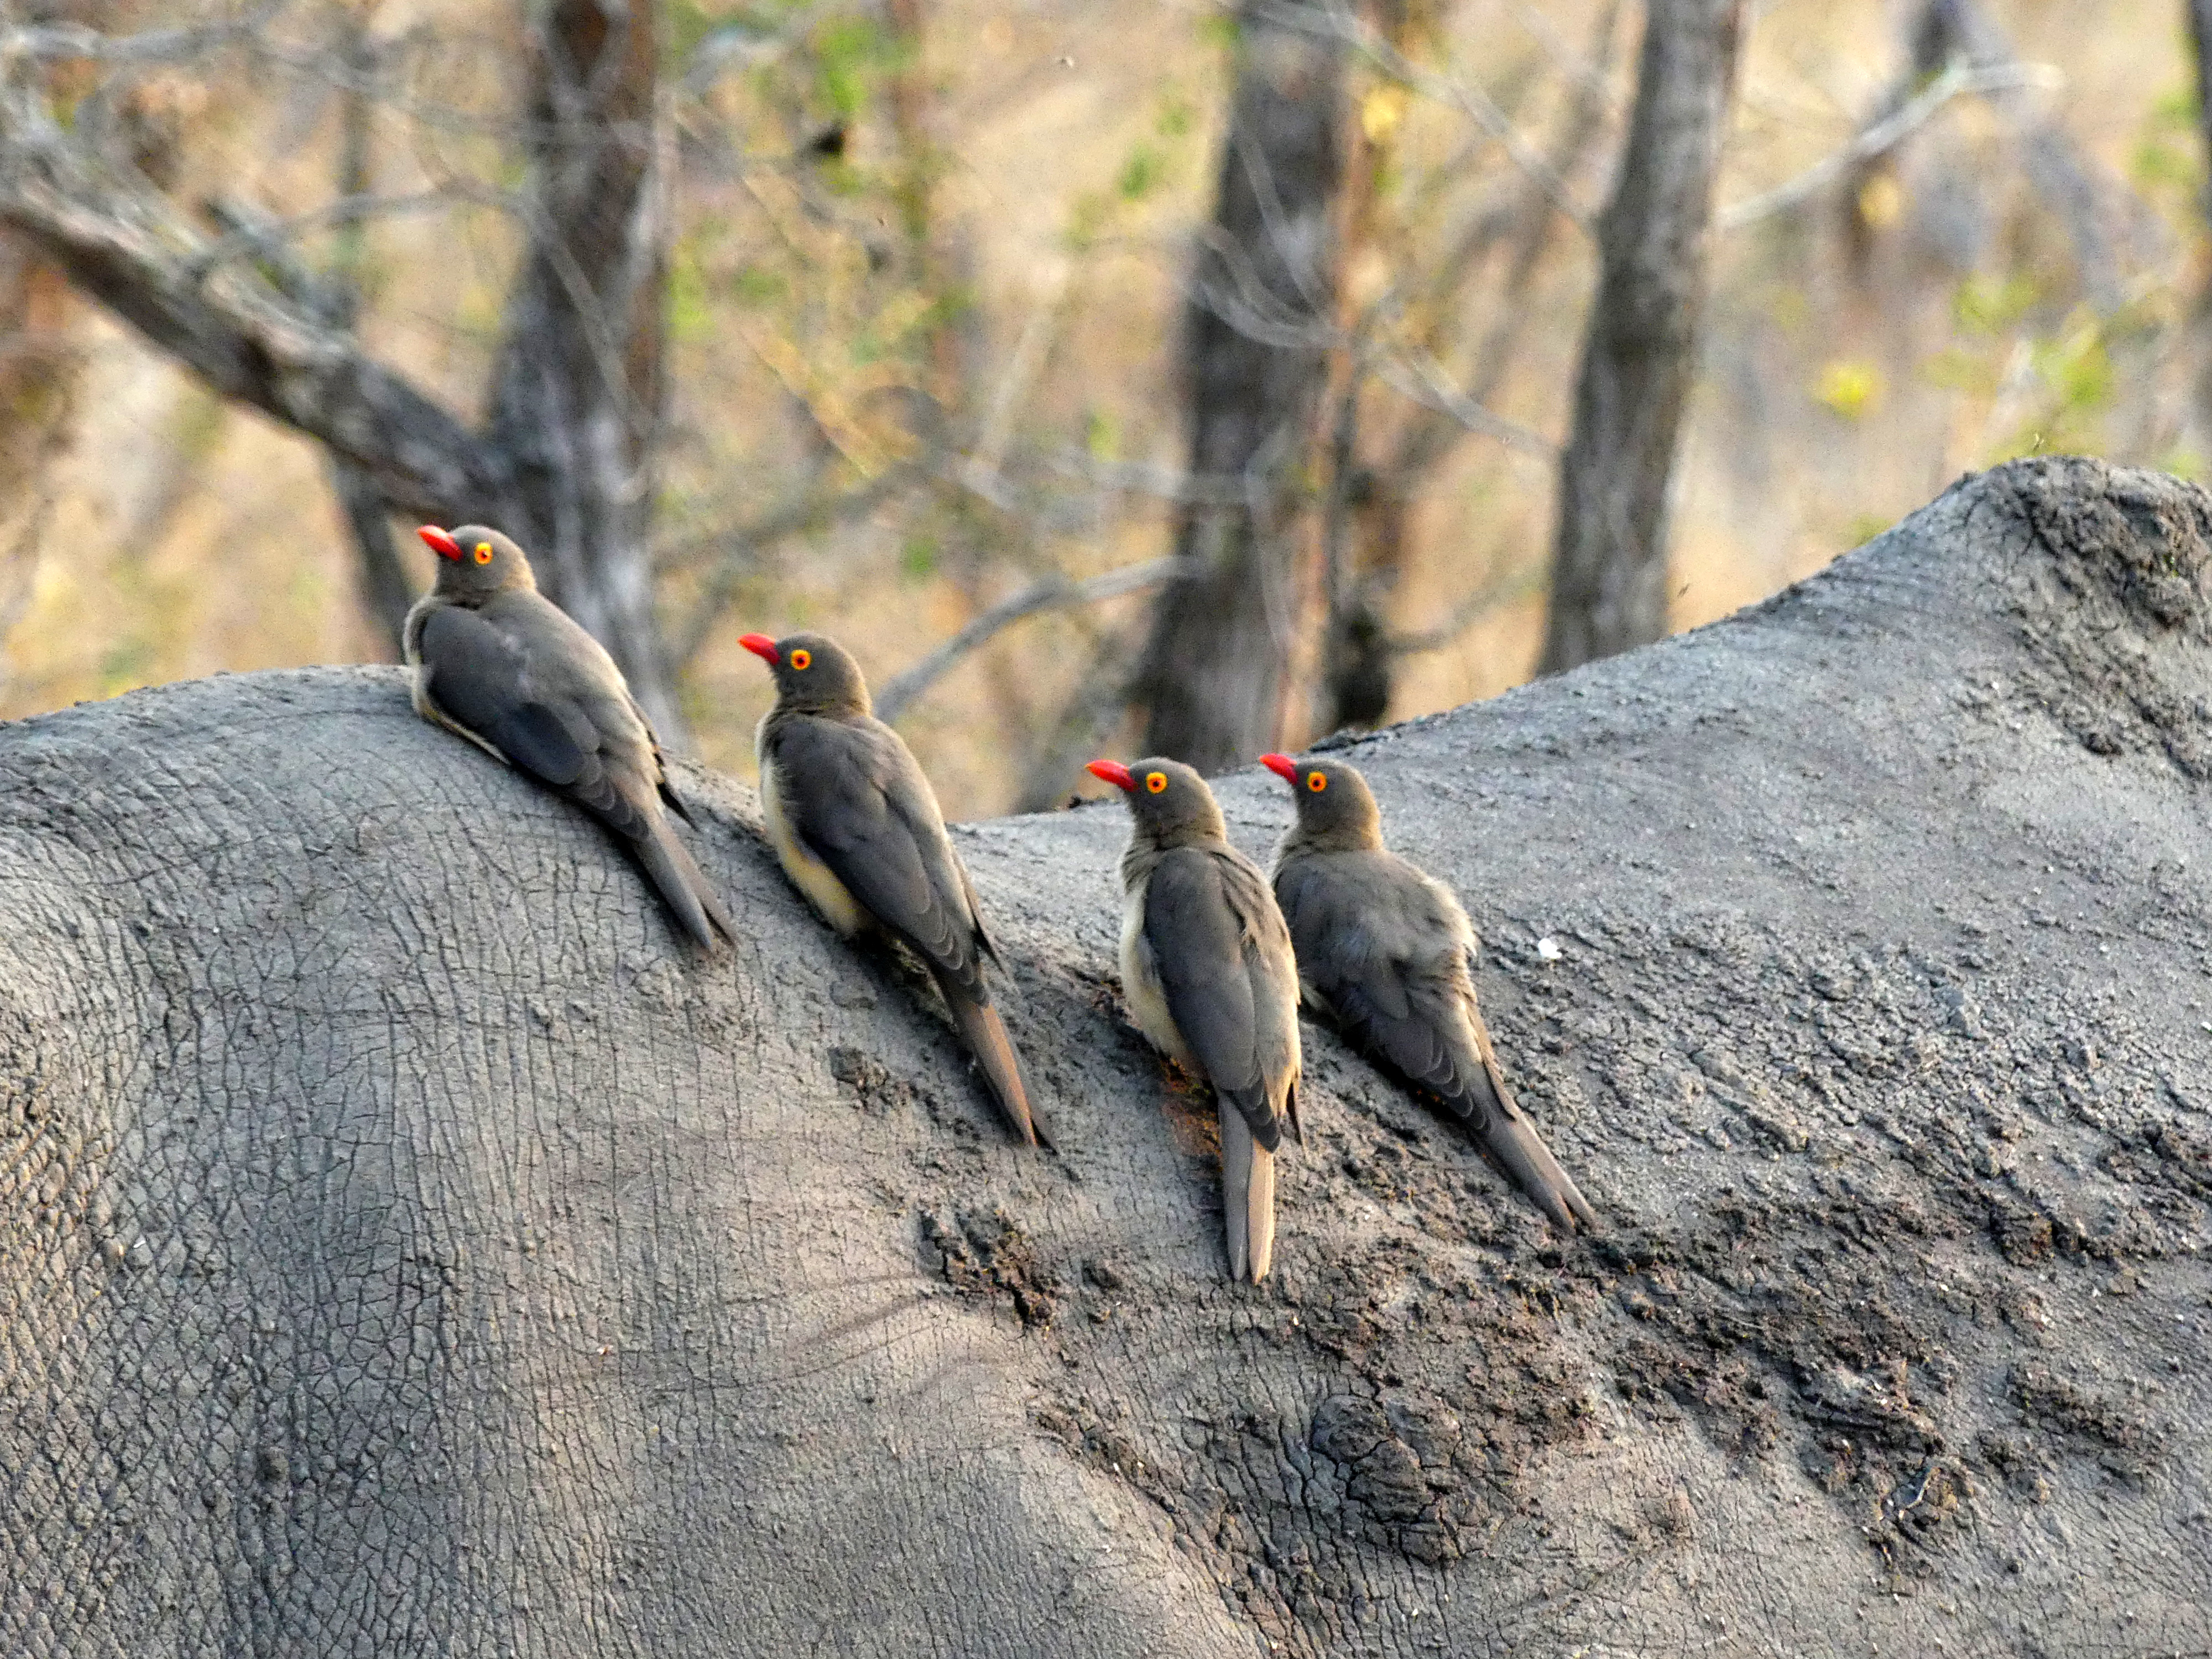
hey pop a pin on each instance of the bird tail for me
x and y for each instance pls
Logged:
(1248, 1195)
(985, 1034)
(1512, 1144)
(681, 883)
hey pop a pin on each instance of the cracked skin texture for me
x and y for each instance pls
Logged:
(408, 1246)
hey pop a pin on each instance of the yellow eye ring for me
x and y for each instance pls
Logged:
(802, 658)
(1316, 781)
(1156, 781)
(484, 552)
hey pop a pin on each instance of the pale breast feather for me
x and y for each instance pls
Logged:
(828, 896)
(1141, 985)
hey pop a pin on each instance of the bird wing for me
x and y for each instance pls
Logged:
(482, 678)
(857, 800)
(1222, 1000)
(1341, 941)
(1390, 950)
(1387, 956)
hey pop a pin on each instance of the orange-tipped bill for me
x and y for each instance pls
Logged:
(440, 542)
(764, 647)
(1283, 767)
(1112, 772)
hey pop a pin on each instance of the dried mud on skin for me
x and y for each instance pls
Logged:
(1873, 1012)
(1901, 1159)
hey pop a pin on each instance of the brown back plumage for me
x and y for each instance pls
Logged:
(1385, 951)
(502, 665)
(848, 794)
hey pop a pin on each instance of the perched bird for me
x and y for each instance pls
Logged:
(503, 666)
(858, 830)
(1384, 950)
(1207, 969)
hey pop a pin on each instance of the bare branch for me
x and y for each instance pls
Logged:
(256, 236)
(63, 42)
(1141, 478)
(2068, 179)
(1053, 592)
(1469, 611)
(1960, 79)
(1336, 23)
(1406, 369)
(1105, 691)
(744, 546)
(125, 249)
(1417, 375)
(735, 46)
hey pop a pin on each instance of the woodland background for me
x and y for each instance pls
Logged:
(927, 264)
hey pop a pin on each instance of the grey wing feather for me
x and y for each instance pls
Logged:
(485, 682)
(1198, 941)
(1399, 985)
(482, 681)
(849, 799)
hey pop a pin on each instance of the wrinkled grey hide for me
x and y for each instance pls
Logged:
(409, 1246)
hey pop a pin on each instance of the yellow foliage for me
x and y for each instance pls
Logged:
(1882, 201)
(1381, 110)
(1849, 389)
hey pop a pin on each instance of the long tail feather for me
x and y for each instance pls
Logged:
(1512, 1144)
(985, 1034)
(1248, 1196)
(684, 884)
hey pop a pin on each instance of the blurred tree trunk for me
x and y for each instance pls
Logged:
(384, 593)
(1254, 358)
(39, 372)
(1372, 502)
(1609, 550)
(2199, 52)
(565, 460)
(1363, 545)
(580, 391)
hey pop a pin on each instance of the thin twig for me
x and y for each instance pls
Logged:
(1053, 592)
(1143, 478)
(1469, 611)
(1419, 376)
(1961, 79)
(1333, 23)
(744, 546)
(256, 236)
(62, 42)
(732, 48)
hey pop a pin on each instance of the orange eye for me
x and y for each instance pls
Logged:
(1316, 781)
(1156, 781)
(484, 552)
(801, 658)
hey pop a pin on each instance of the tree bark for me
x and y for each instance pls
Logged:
(1640, 353)
(409, 1245)
(1254, 358)
(2200, 54)
(579, 393)
(565, 462)
(384, 593)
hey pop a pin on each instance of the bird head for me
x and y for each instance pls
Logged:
(1170, 802)
(1336, 809)
(813, 673)
(476, 562)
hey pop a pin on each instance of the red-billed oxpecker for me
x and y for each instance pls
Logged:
(503, 666)
(1207, 971)
(858, 832)
(1385, 952)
